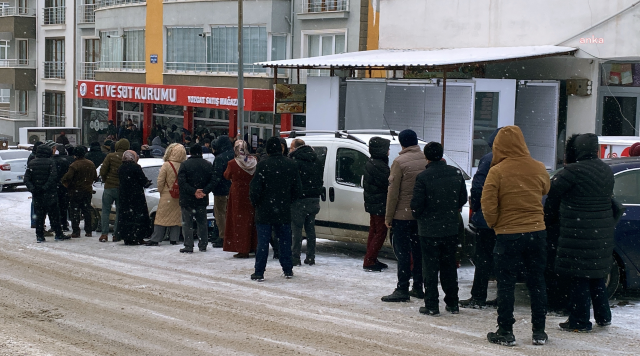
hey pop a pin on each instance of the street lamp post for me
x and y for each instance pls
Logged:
(240, 72)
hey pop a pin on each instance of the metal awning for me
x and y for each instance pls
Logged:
(387, 58)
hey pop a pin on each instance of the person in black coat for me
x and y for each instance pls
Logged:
(376, 185)
(62, 166)
(304, 209)
(133, 219)
(95, 154)
(223, 153)
(274, 187)
(485, 239)
(195, 179)
(580, 198)
(32, 155)
(62, 139)
(41, 178)
(438, 196)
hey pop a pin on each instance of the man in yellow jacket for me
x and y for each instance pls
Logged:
(512, 206)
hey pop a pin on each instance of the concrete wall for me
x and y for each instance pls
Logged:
(113, 18)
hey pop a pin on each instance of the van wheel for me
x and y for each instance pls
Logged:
(613, 279)
(95, 219)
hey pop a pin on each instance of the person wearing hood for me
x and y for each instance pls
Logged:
(111, 180)
(32, 155)
(581, 199)
(134, 223)
(221, 186)
(95, 154)
(79, 183)
(274, 187)
(157, 151)
(307, 206)
(168, 217)
(485, 237)
(512, 206)
(106, 148)
(62, 139)
(62, 166)
(376, 186)
(41, 179)
(240, 233)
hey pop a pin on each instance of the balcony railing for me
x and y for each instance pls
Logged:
(54, 15)
(54, 70)
(106, 3)
(17, 63)
(17, 11)
(227, 68)
(88, 70)
(86, 13)
(125, 66)
(53, 120)
(313, 6)
(16, 115)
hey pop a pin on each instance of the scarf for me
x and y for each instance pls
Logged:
(244, 160)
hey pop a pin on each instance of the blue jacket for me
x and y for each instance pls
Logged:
(477, 184)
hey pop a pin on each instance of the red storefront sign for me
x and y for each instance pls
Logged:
(181, 95)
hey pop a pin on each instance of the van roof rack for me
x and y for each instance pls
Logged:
(393, 133)
(336, 133)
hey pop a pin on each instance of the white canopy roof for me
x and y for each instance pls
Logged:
(422, 58)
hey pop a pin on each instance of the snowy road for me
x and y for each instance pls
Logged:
(82, 297)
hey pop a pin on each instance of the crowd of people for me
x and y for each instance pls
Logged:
(563, 246)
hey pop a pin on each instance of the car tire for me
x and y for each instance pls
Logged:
(95, 219)
(613, 280)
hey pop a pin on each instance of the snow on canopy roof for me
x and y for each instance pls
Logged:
(420, 58)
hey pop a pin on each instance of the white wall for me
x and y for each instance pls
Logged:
(322, 103)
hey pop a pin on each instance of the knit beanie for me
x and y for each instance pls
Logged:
(273, 146)
(433, 151)
(408, 138)
(196, 150)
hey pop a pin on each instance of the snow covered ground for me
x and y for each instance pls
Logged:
(89, 298)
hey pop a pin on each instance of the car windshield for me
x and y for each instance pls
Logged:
(394, 151)
(152, 175)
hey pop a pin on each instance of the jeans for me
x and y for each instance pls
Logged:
(283, 235)
(44, 206)
(303, 214)
(80, 207)
(377, 235)
(439, 255)
(512, 250)
(220, 213)
(200, 214)
(406, 245)
(485, 243)
(584, 292)
(108, 197)
(160, 231)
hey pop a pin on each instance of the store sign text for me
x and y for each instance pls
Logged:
(135, 93)
(228, 101)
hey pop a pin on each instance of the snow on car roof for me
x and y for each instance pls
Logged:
(150, 162)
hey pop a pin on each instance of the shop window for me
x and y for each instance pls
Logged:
(95, 103)
(621, 74)
(350, 167)
(619, 116)
(627, 187)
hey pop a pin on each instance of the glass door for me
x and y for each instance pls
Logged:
(23, 52)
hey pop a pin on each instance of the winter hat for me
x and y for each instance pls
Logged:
(61, 150)
(129, 156)
(273, 146)
(408, 138)
(196, 150)
(379, 147)
(80, 151)
(433, 151)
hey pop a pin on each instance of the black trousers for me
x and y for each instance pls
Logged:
(406, 245)
(558, 286)
(584, 293)
(80, 208)
(43, 206)
(63, 206)
(483, 260)
(512, 250)
(439, 255)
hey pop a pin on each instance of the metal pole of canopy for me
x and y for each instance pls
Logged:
(275, 82)
(444, 100)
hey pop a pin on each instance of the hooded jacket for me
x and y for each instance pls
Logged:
(580, 198)
(512, 195)
(404, 170)
(310, 169)
(376, 177)
(95, 154)
(111, 164)
(41, 175)
(80, 177)
(156, 148)
(62, 166)
(477, 217)
(224, 153)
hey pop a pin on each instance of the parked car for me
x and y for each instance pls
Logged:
(151, 169)
(343, 154)
(13, 164)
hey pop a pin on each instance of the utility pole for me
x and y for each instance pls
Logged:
(240, 72)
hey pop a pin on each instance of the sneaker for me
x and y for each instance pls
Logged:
(62, 237)
(472, 303)
(372, 268)
(417, 292)
(296, 262)
(310, 261)
(288, 275)
(539, 337)
(431, 312)
(186, 250)
(567, 327)
(40, 239)
(397, 296)
(257, 277)
(382, 265)
(603, 323)
(502, 337)
(452, 309)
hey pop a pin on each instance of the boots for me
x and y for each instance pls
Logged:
(502, 337)
(397, 296)
(539, 337)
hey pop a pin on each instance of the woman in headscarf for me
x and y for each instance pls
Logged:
(240, 235)
(133, 220)
(169, 216)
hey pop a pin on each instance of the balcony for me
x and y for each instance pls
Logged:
(54, 15)
(324, 9)
(88, 70)
(16, 115)
(86, 13)
(107, 3)
(17, 63)
(121, 66)
(53, 120)
(213, 68)
(18, 73)
(54, 70)
(17, 11)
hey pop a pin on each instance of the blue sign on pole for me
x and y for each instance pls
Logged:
(154, 59)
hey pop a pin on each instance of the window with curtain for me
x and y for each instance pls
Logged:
(110, 50)
(324, 45)
(4, 49)
(23, 101)
(4, 96)
(279, 50)
(134, 57)
(186, 49)
(222, 52)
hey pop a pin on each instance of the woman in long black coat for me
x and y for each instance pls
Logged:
(133, 220)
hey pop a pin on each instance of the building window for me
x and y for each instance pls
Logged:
(134, 49)
(23, 101)
(222, 51)
(324, 45)
(54, 109)
(54, 12)
(325, 5)
(4, 96)
(4, 50)
(621, 74)
(186, 49)
(279, 50)
(122, 52)
(54, 53)
(23, 52)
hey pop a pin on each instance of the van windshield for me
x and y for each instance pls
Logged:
(394, 151)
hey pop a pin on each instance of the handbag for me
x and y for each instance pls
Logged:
(618, 209)
(175, 189)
